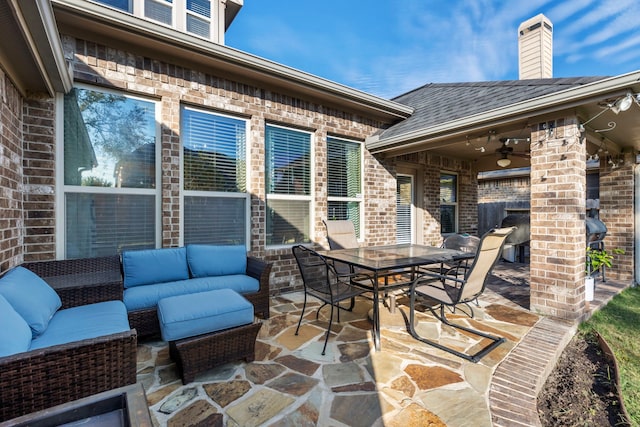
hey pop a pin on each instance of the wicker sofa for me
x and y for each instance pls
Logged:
(161, 273)
(54, 374)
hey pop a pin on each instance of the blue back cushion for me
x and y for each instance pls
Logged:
(154, 266)
(15, 333)
(213, 260)
(31, 297)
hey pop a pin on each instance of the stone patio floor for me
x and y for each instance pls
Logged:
(407, 383)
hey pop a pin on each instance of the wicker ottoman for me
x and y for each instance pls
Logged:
(207, 329)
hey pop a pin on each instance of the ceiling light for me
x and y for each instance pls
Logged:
(622, 104)
(504, 161)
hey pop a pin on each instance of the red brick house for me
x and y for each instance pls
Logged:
(119, 132)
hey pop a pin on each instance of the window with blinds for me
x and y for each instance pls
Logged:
(344, 181)
(191, 16)
(448, 203)
(110, 174)
(216, 201)
(288, 184)
(159, 10)
(404, 209)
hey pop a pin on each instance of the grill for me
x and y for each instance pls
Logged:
(596, 232)
(520, 237)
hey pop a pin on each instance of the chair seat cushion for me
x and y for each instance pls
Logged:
(15, 333)
(31, 297)
(142, 297)
(189, 315)
(84, 322)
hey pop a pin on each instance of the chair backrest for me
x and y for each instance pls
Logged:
(462, 242)
(317, 273)
(341, 234)
(488, 254)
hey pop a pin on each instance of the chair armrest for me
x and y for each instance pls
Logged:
(82, 281)
(38, 379)
(258, 269)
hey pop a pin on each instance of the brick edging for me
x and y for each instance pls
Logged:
(516, 382)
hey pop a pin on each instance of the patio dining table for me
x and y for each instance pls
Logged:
(383, 260)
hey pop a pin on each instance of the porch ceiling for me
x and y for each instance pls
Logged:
(477, 136)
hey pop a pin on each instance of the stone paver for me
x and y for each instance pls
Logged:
(406, 384)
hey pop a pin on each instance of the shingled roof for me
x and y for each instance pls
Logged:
(437, 103)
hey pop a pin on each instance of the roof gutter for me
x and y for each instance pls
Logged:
(235, 60)
(545, 104)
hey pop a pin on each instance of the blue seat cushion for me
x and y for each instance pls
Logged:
(149, 266)
(141, 297)
(31, 297)
(196, 314)
(84, 322)
(215, 260)
(15, 333)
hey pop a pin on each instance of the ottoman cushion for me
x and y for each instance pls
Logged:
(189, 315)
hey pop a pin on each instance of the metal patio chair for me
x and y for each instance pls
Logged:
(323, 282)
(451, 290)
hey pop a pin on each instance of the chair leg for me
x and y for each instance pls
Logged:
(326, 338)
(304, 306)
(495, 341)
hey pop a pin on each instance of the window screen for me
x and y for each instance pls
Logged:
(344, 180)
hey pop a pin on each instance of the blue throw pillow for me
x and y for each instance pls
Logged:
(152, 266)
(213, 260)
(15, 334)
(31, 297)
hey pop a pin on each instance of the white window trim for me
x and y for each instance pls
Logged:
(312, 185)
(61, 189)
(217, 194)
(360, 197)
(456, 222)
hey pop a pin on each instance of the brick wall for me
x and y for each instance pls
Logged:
(173, 85)
(617, 212)
(11, 220)
(511, 189)
(39, 178)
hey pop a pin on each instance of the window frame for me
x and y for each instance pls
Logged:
(359, 198)
(179, 12)
(217, 194)
(283, 197)
(63, 189)
(454, 204)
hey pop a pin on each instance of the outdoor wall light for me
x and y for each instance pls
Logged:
(504, 161)
(622, 104)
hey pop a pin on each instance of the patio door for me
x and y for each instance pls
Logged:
(405, 212)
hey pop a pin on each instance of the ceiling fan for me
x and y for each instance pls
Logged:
(505, 151)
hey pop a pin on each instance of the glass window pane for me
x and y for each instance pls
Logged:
(343, 164)
(201, 7)
(109, 140)
(107, 224)
(288, 164)
(118, 4)
(448, 188)
(214, 152)
(287, 222)
(345, 210)
(220, 221)
(198, 26)
(158, 11)
(447, 219)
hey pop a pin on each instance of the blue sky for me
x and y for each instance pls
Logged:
(388, 47)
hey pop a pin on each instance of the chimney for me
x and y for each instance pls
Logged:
(535, 48)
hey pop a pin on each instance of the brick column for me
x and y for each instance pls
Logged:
(617, 212)
(558, 198)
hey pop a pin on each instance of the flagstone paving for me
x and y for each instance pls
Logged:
(407, 383)
(291, 383)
